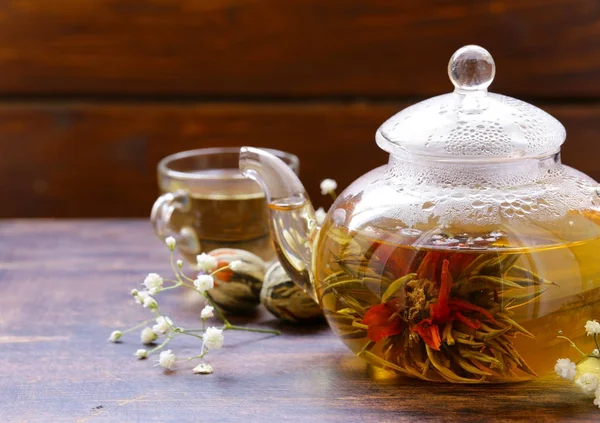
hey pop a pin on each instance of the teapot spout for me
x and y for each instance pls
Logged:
(292, 217)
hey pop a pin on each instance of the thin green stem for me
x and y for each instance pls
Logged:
(333, 195)
(185, 332)
(192, 287)
(162, 344)
(220, 269)
(572, 344)
(187, 278)
(139, 325)
(177, 285)
(174, 267)
(217, 309)
(234, 327)
(197, 357)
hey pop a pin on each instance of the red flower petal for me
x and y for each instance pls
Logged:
(428, 266)
(473, 324)
(429, 333)
(381, 321)
(440, 312)
(457, 304)
(459, 261)
(435, 337)
(377, 314)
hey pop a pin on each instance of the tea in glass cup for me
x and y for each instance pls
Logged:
(207, 204)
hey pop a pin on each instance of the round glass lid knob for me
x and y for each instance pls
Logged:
(471, 68)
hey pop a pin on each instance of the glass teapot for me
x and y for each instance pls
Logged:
(462, 258)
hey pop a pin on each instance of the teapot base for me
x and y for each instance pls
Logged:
(487, 313)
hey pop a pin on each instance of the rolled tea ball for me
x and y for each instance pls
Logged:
(238, 291)
(285, 299)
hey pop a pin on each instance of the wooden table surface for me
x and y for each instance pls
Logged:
(65, 287)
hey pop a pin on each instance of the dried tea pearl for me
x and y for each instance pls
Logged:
(286, 300)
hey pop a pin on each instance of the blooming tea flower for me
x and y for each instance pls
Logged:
(206, 263)
(320, 215)
(328, 185)
(565, 368)
(207, 312)
(203, 369)
(162, 325)
(213, 338)
(153, 283)
(588, 382)
(115, 336)
(167, 359)
(170, 241)
(141, 353)
(204, 282)
(148, 336)
(592, 327)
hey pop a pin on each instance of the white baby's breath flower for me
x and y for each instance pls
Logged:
(588, 382)
(180, 263)
(204, 282)
(170, 241)
(162, 325)
(592, 327)
(148, 336)
(167, 359)
(320, 215)
(596, 352)
(141, 353)
(328, 186)
(597, 399)
(206, 263)
(150, 303)
(203, 369)
(153, 282)
(565, 368)
(115, 336)
(134, 292)
(141, 296)
(238, 266)
(207, 312)
(213, 338)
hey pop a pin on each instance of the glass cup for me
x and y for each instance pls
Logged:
(206, 203)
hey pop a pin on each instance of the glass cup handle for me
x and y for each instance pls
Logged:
(162, 213)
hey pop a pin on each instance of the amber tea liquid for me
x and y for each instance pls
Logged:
(463, 309)
(221, 216)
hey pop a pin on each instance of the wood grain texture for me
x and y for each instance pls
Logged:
(293, 48)
(65, 288)
(82, 160)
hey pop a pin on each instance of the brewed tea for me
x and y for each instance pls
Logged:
(224, 216)
(451, 307)
(465, 313)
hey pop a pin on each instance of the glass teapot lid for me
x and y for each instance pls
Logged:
(472, 124)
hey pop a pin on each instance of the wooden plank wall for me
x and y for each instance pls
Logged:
(93, 93)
